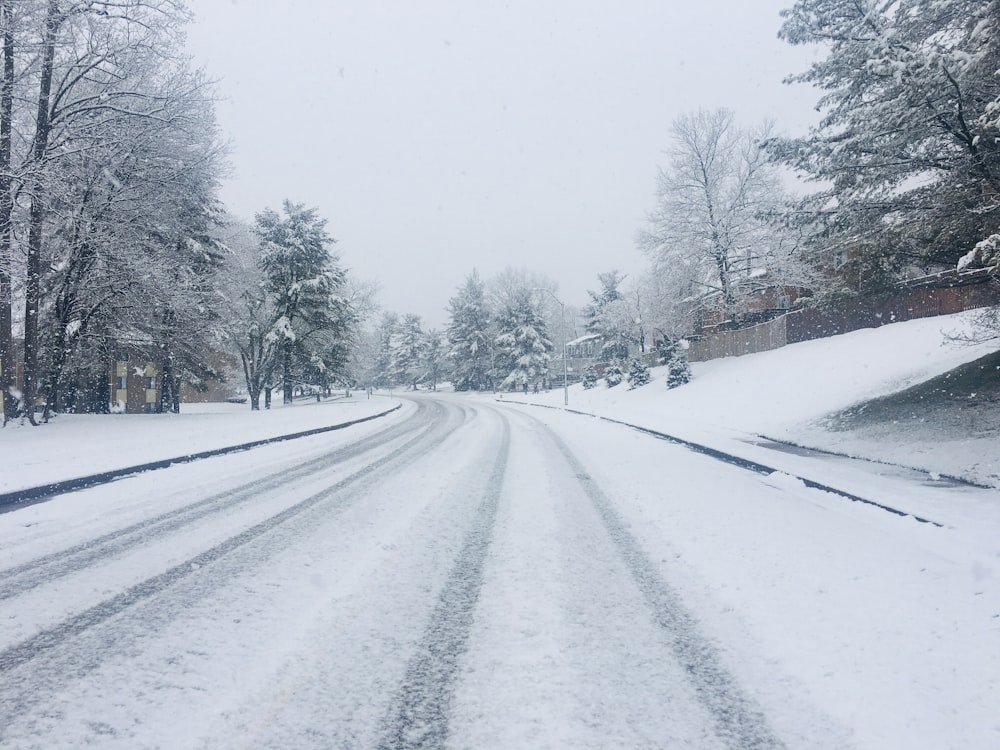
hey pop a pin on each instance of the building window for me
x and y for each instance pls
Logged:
(121, 382)
(151, 384)
(840, 258)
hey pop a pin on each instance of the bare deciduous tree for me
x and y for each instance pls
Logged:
(713, 198)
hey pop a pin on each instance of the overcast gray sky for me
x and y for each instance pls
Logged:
(440, 136)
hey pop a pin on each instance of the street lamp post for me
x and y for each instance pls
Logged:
(562, 325)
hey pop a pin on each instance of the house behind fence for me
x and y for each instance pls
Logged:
(940, 294)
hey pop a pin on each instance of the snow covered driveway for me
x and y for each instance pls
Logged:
(471, 574)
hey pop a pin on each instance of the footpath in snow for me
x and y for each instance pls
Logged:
(75, 445)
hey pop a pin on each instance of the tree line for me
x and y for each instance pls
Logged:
(903, 166)
(497, 338)
(109, 160)
(112, 238)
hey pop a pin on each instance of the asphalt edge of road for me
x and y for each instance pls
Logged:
(743, 463)
(32, 495)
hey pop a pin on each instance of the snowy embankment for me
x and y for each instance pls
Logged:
(75, 445)
(787, 393)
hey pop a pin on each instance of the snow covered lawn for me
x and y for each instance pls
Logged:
(787, 393)
(74, 445)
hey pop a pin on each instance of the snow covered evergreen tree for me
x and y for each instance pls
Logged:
(613, 374)
(589, 377)
(608, 316)
(305, 280)
(523, 344)
(469, 336)
(638, 374)
(907, 149)
(385, 334)
(435, 360)
(673, 354)
(408, 351)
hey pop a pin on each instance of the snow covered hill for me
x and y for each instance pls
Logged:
(790, 394)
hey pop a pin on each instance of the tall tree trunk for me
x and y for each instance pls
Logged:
(170, 397)
(251, 376)
(36, 215)
(286, 372)
(53, 384)
(6, 211)
(175, 390)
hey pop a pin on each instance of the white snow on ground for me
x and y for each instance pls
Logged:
(848, 626)
(782, 393)
(786, 393)
(852, 627)
(74, 445)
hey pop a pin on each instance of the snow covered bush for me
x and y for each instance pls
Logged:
(679, 370)
(673, 354)
(985, 254)
(638, 374)
(589, 377)
(613, 374)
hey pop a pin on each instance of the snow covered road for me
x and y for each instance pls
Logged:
(469, 574)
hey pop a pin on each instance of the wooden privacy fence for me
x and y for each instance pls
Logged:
(980, 290)
(759, 338)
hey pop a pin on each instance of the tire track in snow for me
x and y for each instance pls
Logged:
(419, 714)
(738, 721)
(24, 577)
(44, 652)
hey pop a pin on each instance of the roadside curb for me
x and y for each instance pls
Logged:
(734, 460)
(836, 454)
(34, 494)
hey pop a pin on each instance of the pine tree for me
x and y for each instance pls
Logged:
(385, 335)
(523, 344)
(613, 374)
(469, 337)
(673, 354)
(589, 377)
(907, 147)
(638, 374)
(304, 279)
(608, 316)
(434, 358)
(408, 351)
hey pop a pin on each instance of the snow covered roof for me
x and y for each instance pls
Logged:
(584, 339)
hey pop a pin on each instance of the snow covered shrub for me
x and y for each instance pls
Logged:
(589, 377)
(638, 374)
(673, 354)
(678, 368)
(986, 254)
(613, 374)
